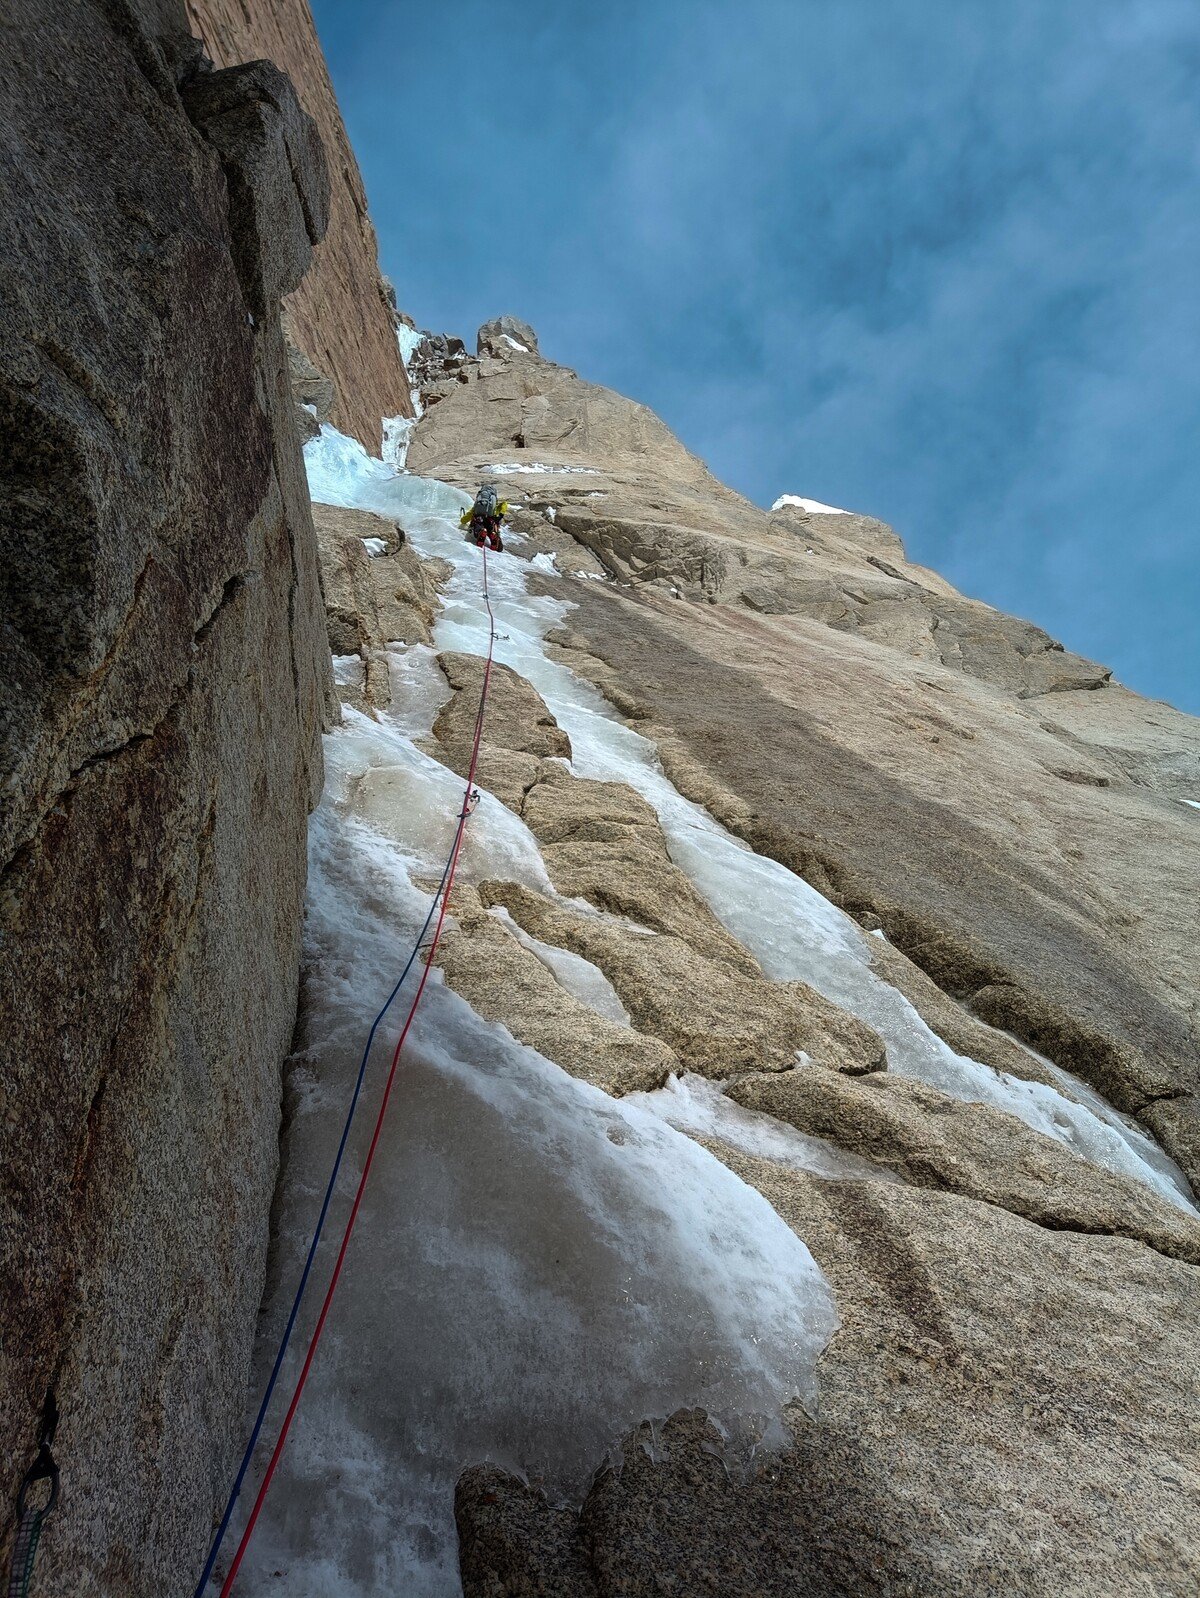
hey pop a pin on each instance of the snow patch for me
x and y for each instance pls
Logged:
(515, 344)
(544, 563)
(375, 547)
(813, 506)
(509, 467)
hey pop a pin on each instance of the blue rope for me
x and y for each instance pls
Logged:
(231, 1504)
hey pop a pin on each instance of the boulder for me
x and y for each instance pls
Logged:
(506, 336)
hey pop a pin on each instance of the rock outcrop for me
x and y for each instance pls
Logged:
(163, 682)
(341, 316)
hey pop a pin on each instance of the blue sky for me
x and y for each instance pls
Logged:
(935, 260)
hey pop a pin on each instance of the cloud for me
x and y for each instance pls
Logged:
(934, 262)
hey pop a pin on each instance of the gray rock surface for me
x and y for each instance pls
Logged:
(502, 334)
(163, 680)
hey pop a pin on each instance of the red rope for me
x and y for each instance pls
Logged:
(277, 1451)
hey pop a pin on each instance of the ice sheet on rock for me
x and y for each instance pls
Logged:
(409, 340)
(1194, 803)
(813, 506)
(581, 979)
(537, 1267)
(348, 671)
(397, 436)
(419, 688)
(409, 797)
(695, 1105)
(544, 563)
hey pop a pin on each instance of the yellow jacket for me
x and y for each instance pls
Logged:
(465, 519)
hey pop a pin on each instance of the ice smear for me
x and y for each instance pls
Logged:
(792, 929)
(1194, 803)
(813, 506)
(409, 340)
(397, 435)
(581, 979)
(509, 467)
(697, 1106)
(537, 1267)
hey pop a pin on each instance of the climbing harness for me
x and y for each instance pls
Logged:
(31, 1517)
(439, 905)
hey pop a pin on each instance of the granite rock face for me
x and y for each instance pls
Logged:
(1005, 1410)
(1005, 811)
(340, 316)
(163, 683)
(1010, 1405)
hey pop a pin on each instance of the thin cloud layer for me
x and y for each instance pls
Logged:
(935, 263)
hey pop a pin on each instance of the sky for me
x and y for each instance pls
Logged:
(937, 261)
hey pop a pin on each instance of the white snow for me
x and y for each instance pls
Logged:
(515, 344)
(537, 1267)
(550, 513)
(1195, 803)
(544, 563)
(509, 467)
(375, 547)
(813, 506)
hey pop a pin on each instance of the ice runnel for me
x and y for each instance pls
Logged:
(791, 928)
(537, 1267)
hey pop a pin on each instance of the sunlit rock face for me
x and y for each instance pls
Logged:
(163, 675)
(1013, 818)
(625, 958)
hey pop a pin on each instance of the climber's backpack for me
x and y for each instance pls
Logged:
(486, 501)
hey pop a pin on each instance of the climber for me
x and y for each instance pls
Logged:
(482, 519)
